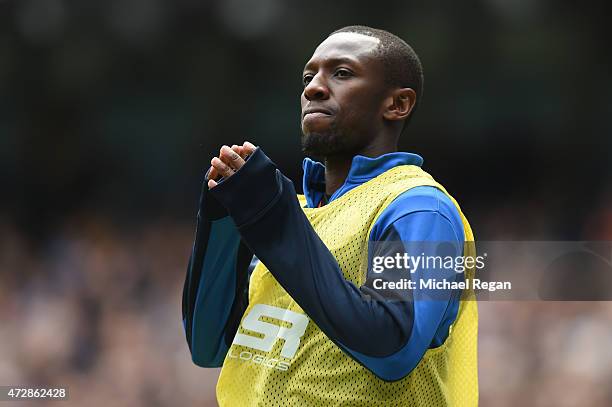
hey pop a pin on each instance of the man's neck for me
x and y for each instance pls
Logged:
(337, 167)
(336, 171)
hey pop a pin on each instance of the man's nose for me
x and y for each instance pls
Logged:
(316, 89)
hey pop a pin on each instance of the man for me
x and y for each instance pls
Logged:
(303, 322)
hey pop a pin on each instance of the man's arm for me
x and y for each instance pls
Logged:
(278, 232)
(423, 222)
(215, 293)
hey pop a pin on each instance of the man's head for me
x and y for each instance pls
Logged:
(361, 85)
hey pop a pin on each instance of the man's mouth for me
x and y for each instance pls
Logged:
(315, 112)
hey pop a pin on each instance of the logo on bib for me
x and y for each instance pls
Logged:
(271, 333)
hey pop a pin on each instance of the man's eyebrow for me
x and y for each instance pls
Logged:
(333, 61)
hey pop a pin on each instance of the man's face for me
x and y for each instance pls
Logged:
(342, 98)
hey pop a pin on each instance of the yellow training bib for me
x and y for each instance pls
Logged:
(280, 357)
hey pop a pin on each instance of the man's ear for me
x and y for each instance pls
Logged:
(399, 104)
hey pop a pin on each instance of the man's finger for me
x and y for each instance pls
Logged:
(231, 158)
(212, 173)
(239, 150)
(222, 168)
(248, 148)
(212, 184)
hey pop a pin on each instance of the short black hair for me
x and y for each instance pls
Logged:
(401, 64)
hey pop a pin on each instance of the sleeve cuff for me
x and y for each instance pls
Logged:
(250, 190)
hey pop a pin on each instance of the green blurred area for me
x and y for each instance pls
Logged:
(117, 107)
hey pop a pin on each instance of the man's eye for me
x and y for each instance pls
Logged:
(306, 79)
(343, 73)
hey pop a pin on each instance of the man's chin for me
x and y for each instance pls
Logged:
(321, 145)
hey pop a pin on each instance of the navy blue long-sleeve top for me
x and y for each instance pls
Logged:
(255, 212)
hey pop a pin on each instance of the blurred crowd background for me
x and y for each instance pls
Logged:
(111, 110)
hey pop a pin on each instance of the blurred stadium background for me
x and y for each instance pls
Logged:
(111, 110)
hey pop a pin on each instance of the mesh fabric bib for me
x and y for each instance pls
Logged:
(284, 359)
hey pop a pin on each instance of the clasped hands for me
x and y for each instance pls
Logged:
(230, 160)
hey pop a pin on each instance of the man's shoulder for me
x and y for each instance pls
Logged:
(420, 199)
